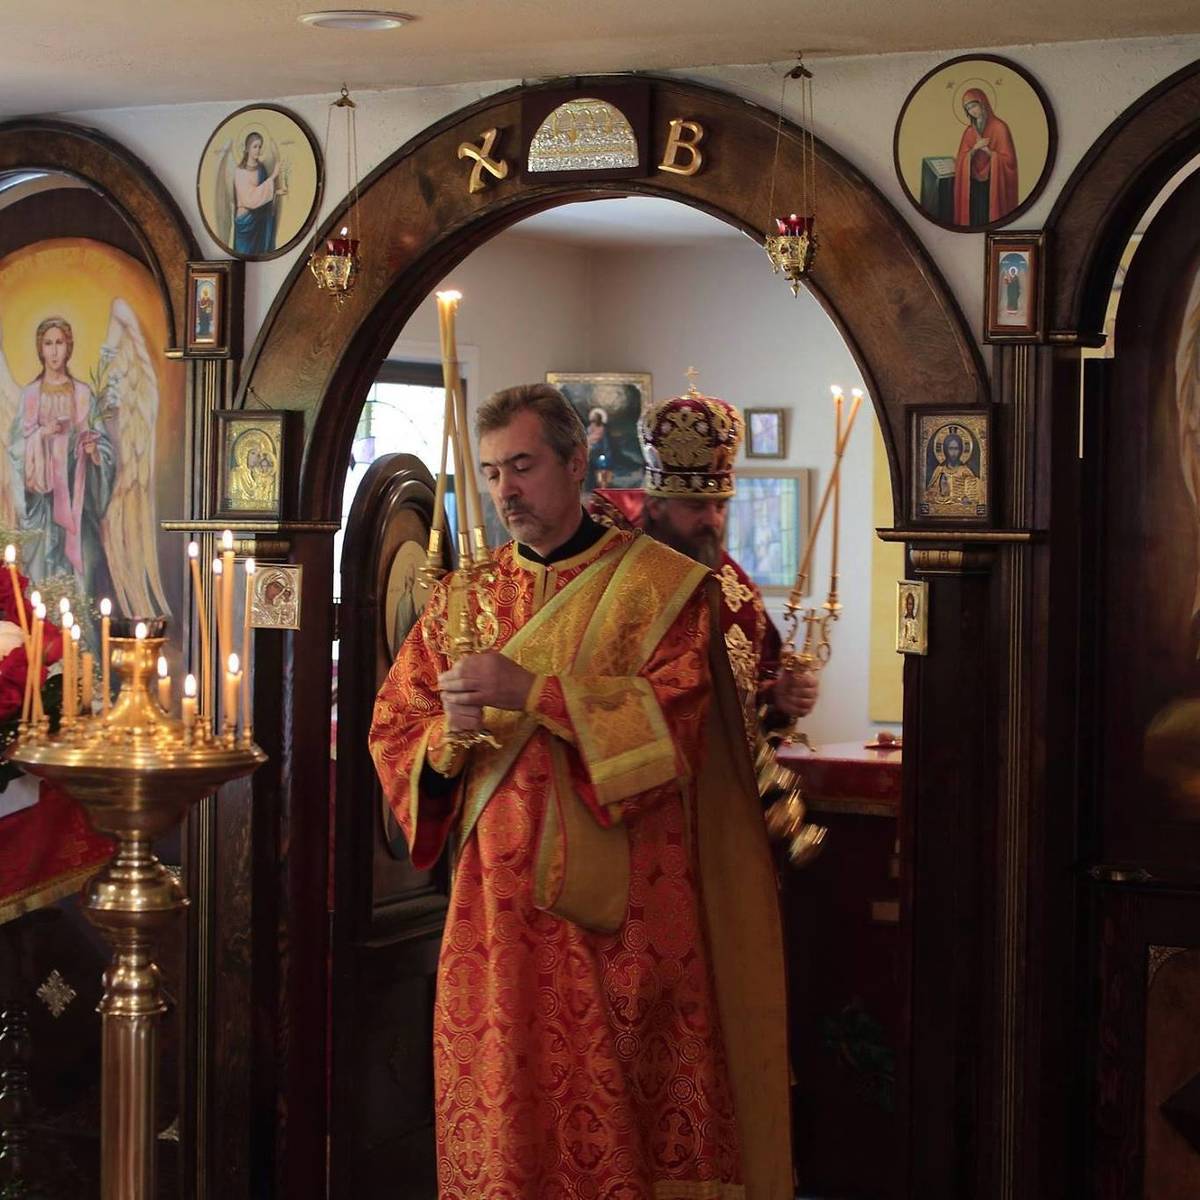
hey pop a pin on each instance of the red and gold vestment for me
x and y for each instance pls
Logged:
(610, 1011)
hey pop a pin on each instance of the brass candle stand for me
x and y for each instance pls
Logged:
(136, 771)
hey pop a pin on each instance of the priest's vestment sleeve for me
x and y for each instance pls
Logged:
(407, 732)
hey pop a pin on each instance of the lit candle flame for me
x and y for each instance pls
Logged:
(105, 607)
(227, 540)
(193, 549)
(10, 554)
(140, 631)
(189, 686)
(345, 231)
(64, 606)
(857, 393)
(76, 630)
(251, 566)
(217, 567)
(162, 666)
(40, 612)
(835, 390)
(450, 296)
(35, 598)
(234, 665)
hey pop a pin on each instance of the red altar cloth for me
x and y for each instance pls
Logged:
(46, 852)
(846, 772)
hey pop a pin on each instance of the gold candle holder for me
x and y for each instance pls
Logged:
(136, 772)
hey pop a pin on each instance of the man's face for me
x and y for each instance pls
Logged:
(693, 527)
(535, 493)
(54, 349)
(953, 451)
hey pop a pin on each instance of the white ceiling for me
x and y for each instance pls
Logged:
(77, 54)
(624, 222)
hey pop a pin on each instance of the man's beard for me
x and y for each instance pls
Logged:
(523, 524)
(705, 547)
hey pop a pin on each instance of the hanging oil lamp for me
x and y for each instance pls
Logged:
(337, 266)
(790, 239)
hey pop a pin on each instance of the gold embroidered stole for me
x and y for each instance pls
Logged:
(605, 622)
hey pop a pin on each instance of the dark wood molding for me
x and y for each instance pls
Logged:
(1107, 192)
(153, 217)
(883, 290)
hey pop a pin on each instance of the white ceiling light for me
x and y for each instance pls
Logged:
(354, 18)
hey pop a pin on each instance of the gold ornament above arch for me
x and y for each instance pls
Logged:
(418, 220)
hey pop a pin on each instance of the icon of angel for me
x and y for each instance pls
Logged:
(77, 482)
(248, 187)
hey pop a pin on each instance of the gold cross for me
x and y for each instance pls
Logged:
(483, 162)
(692, 375)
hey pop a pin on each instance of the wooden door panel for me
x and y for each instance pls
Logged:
(388, 916)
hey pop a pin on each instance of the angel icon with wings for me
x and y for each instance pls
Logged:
(251, 177)
(76, 483)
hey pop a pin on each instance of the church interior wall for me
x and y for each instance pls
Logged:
(858, 98)
(538, 305)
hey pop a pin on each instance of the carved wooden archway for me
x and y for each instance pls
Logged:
(126, 183)
(418, 221)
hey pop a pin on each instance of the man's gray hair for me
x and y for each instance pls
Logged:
(561, 426)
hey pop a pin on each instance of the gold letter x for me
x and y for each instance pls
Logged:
(493, 166)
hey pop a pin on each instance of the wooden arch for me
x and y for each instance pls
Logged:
(126, 183)
(1108, 191)
(418, 220)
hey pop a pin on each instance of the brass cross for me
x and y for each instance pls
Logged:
(483, 162)
(692, 375)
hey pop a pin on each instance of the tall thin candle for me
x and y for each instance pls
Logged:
(797, 592)
(66, 625)
(10, 559)
(230, 695)
(39, 635)
(246, 722)
(105, 655)
(35, 599)
(202, 615)
(86, 677)
(218, 571)
(76, 633)
(838, 400)
(164, 684)
(227, 591)
(187, 706)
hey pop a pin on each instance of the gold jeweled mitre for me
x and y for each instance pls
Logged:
(689, 443)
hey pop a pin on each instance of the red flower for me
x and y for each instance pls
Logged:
(8, 604)
(15, 666)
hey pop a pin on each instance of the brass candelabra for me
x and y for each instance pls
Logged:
(779, 785)
(469, 624)
(136, 771)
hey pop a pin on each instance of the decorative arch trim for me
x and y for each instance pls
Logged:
(1100, 204)
(126, 183)
(418, 220)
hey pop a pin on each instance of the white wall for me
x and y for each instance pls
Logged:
(857, 102)
(718, 307)
(535, 305)
(524, 313)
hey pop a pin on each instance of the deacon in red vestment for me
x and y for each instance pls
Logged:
(985, 167)
(610, 1012)
(689, 444)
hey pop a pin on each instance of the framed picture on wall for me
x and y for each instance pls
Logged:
(912, 624)
(214, 310)
(1013, 304)
(610, 404)
(259, 182)
(975, 143)
(254, 451)
(951, 465)
(766, 433)
(767, 523)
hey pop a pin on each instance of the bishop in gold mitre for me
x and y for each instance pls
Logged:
(610, 1015)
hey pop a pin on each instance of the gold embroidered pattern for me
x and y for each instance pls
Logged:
(736, 593)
